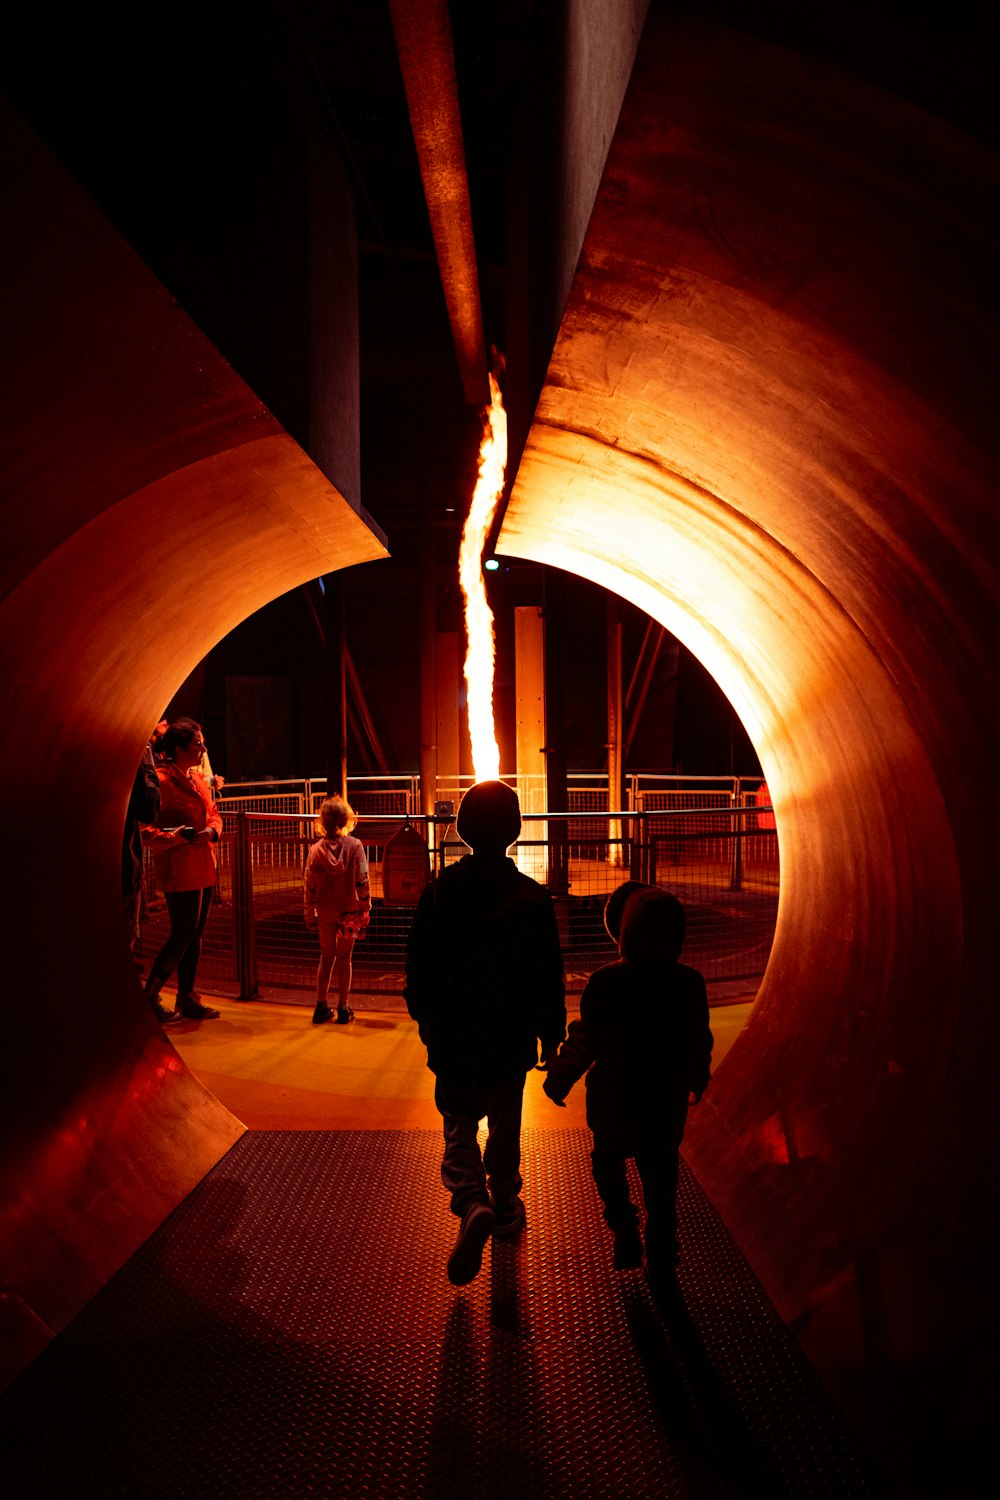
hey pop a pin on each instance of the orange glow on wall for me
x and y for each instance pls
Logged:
(480, 655)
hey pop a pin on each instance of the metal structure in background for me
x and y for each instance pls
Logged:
(696, 836)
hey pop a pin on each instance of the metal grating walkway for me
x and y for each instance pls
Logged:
(290, 1331)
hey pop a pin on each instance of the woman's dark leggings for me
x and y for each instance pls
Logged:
(182, 950)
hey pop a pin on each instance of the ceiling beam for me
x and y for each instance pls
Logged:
(427, 60)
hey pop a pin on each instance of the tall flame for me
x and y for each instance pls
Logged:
(480, 654)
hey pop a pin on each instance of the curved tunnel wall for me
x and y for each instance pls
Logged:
(767, 422)
(150, 504)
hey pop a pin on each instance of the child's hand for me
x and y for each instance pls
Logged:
(547, 1088)
(312, 921)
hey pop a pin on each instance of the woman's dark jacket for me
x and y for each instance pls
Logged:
(484, 975)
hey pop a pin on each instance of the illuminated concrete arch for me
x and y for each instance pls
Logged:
(766, 423)
(151, 503)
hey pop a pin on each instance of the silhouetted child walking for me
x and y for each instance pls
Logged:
(484, 982)
(337, 899)
(644, 1042)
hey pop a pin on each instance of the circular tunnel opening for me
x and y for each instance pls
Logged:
(688, 781)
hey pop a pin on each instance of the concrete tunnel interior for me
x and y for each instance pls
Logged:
(767, 421)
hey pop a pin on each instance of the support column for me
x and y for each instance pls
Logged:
(556, 647)
(335, 659)
(428, 658)
(448, 677)
(615, 745)
(529, 679)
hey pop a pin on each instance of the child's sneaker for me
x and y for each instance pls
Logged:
(190, 1008)
(161, 1012)
(344, 1014)
(322, 1013)
(467, 1257)
(510, 1218)
(628, 1250)
(661, 1258)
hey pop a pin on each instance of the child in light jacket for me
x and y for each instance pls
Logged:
(337, 899)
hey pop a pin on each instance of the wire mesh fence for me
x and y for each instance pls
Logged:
(718, 857)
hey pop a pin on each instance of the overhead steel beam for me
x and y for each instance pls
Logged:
(427, 60)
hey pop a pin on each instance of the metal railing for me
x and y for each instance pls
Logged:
(716, 859)
(645, 791)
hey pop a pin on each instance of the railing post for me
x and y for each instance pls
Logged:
(635, 851)
(439, 840)
(738, 819)
(246, 943)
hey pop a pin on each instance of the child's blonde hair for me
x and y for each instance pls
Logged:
(336, 817)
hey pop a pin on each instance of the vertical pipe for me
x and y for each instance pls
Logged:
(449, 753)
(335, 659)
(615, 768)
(556, 649)
(529, 738)
(428, 658)
(246, 941)
(738, 820)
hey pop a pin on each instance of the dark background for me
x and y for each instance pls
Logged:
(274, 660)
(198, 129)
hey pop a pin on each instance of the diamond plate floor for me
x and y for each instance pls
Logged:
(290, 1332)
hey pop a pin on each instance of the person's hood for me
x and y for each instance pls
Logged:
(652, 931)
(332, 854)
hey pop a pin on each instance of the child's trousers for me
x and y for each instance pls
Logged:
(471, 1175)
(657, 1167)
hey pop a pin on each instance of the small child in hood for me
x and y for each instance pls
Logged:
(338, 901)
(644, 1042)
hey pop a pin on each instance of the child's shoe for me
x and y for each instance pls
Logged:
(161, 1012)
(322, 1013)
(662, 1255)
(510, 1218)
(628, 1250)
(344, 1015)
(190, 1008)
(467, 1257)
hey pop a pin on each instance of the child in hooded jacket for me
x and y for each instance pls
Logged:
(337, 898)
(643, 1040)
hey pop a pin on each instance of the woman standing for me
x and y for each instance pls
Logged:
(188, 827)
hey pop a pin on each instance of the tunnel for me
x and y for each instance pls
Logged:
(768, 421)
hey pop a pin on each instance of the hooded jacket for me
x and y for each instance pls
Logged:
(644, 1042)
(336, 876)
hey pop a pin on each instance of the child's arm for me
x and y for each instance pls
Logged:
(550, 991)
(362, 884)
(421, 949)
(309, 898)
(701, 1043)
(574, 1056)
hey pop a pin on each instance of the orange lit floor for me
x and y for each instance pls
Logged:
(290, 1331)
(274, 1070)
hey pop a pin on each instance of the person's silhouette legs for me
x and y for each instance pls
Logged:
(658, 1173)
(620, 1213)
